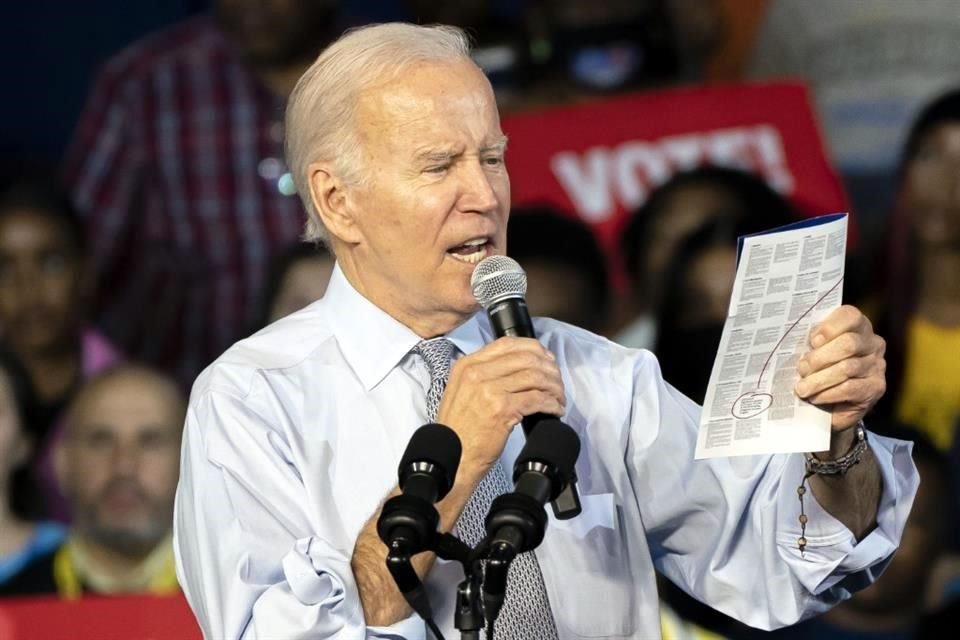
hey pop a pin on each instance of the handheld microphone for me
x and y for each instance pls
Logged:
(408, 522)
(499, 284)
(517, 521)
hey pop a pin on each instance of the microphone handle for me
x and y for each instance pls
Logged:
(511, 317)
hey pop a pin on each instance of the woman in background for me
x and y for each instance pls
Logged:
(675, 211)
(21, 538)
(44, 291)
(919, 294)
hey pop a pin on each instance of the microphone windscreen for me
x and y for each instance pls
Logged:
(437, 444)
(552, 443)
(496, 278)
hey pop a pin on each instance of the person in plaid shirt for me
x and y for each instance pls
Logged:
(177, 166)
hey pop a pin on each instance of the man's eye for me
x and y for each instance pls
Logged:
(439, 168)
(493, 161)
(98, 440)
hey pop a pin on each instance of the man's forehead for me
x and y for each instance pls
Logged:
(126, 399)
(424, 93)
(125, 426)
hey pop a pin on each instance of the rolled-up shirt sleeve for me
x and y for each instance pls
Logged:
(254, 556)
(726, 529)
(833, 558)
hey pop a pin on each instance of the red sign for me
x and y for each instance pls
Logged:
(601, 160)
(98, 618)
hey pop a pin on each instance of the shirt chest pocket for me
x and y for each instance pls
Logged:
(587, 568)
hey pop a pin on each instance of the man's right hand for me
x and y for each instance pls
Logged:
(487, 394)
(491, 390)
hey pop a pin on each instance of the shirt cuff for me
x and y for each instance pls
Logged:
(410, 628)
(832, 553)
(319, 575)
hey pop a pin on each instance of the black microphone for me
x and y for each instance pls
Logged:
(517, 521)
(426, 472)
(499, 284)
(408, 522)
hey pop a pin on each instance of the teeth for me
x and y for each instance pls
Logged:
(475, 243)
(470, 258)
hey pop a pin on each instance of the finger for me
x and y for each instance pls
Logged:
(534, 380)
(857, 367)
(530, 402)
(844, 319)
(480, 370)
(842, 347)
(509, 344)
(857, 391)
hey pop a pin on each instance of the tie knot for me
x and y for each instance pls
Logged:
(438, 354)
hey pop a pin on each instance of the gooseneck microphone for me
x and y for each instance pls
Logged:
(517, 521)
(408, 522)
(543, 468)
(500, 284)
(426, 472)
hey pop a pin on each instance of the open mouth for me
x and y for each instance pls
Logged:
(472, 251)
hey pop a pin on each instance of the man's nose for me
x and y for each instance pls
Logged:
(478, 194)
(125, 460)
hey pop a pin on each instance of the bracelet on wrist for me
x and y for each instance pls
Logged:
(842, 464)
(815, 466)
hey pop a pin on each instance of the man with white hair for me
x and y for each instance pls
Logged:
(293, 435)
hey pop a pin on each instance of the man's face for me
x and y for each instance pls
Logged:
(119, 462)
(437, 195)
(40, 282)
(277, 31)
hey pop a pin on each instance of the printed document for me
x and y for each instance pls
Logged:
(788, 280)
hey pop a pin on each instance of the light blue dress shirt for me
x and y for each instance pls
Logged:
(292, 441)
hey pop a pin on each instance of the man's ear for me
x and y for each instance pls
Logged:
(331, 202)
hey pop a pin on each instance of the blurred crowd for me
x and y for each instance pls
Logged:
(171, 228)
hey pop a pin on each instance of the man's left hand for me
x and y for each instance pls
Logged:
(845, 371)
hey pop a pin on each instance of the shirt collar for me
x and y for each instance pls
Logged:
(374, 342)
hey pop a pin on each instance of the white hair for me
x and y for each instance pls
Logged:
(320, 113)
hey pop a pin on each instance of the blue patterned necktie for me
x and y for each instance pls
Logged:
(526, 611)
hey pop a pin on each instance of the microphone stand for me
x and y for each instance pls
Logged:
(481, 594)
(495, 579)
(474, 604)
(468, 615)
(400, 567)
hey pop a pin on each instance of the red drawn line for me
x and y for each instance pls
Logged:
(792, 327)
(735, 409)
